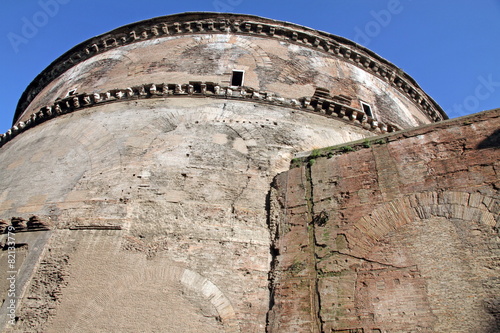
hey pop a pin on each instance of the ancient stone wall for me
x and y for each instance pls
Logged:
(168, 192)
(394, 234)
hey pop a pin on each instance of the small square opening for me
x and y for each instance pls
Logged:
(237, 78)
(367, 109)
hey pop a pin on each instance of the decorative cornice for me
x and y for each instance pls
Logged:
(326, 106)
(212, 23)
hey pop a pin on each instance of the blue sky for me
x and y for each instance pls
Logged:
(450, 47)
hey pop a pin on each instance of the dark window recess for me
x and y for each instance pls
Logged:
(237, 79)
(367, 109)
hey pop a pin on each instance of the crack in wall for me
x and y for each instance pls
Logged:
(311, 228)
(331, 253)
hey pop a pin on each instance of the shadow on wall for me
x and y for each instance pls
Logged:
(493, 141)
(493, 307)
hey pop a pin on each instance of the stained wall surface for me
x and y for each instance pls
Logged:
(395, 234)
(184, 180)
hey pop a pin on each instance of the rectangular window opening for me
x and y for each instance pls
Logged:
(367, 109)
(237, 79)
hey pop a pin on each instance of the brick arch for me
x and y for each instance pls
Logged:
(260, 56)
(189, 279)
(390, 216)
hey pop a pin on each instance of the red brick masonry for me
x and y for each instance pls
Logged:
(395, 234)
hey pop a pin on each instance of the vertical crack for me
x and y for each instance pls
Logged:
(311, 227)
(274, 251)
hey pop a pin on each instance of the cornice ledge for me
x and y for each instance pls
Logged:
(328, 107)
(211, 23)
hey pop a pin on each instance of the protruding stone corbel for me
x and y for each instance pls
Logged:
(217, 90)
(96, 96)
(154, 31)
(133, 35)
(35, 222)
(319, 105)
(256, 95)
(373, 123)
(34, 119)
(41, 116)
(129, 92)
(177, 27)
(86, 100)
(243, 92)
(18, 223)
(164, 28)
(178, 90)
(57, 108)
(353, 115)
(48, 111)
(223, 26)
(306, 102)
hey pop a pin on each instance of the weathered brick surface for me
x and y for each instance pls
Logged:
(410, 242)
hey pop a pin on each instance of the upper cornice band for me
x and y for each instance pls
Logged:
(212, 23)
